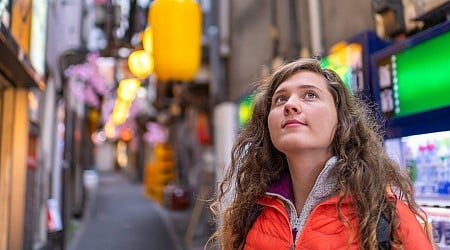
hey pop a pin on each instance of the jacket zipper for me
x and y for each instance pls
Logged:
(293, 221)
(295, 226)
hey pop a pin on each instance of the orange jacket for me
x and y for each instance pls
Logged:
(323, 229)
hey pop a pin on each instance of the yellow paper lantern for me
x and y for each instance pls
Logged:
(121, 106)
(118, 117)
(176, 26)
(147, 40)
(110, 129)
(140, 63)
(128, 88)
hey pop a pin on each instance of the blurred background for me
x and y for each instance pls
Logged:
(117, 117)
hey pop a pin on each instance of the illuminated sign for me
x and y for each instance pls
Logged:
(21, 22)
(415, 79)
(346, 60)
(245, 109)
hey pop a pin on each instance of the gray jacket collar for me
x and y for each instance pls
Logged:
(325, 186)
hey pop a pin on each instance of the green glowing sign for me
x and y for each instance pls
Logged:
(245, 110)
(416, 79)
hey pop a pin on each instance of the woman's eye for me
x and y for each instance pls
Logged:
(280, 99)
(310, 95)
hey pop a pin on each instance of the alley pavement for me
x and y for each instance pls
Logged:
(119, 216)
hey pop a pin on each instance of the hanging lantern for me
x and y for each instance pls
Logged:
(110, 130)
(126, 134)
(128, 88)
(120, 112)
(176, 26)
(140, 63)
(147, 40)
(118, 118)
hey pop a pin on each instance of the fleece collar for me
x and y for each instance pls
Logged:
(283, 187)
(325, 187)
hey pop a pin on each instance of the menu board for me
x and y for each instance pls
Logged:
(416, 78)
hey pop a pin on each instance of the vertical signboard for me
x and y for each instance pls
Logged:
(38, 35)
(21, 22)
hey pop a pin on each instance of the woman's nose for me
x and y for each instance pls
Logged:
(291, 107)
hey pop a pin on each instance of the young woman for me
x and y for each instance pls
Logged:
(309, 171)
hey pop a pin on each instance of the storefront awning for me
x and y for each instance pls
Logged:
(15, 66)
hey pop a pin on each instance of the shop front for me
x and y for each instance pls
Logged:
(20, 85)
(412, 83)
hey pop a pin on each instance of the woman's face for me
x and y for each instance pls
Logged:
(303, 114)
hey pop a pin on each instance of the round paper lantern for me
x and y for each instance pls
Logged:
(176, 26)
(126, 134)
(127, 89)
(140, 63)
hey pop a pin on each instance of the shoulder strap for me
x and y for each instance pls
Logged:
(384, 232)
(253, 215)
(383, 235)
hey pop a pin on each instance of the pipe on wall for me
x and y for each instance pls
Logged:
(224, 27)
(294, 32)
(315, 17)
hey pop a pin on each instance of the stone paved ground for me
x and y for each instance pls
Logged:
(119, 216)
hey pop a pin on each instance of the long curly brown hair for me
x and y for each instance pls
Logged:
(364, 169)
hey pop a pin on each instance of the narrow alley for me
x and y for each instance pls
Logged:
(119, 216)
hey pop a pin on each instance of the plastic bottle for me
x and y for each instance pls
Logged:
(441, 170)
(410, 162)
(435, 167)
(422, 177)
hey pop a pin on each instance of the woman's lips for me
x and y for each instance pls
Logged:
(292, 122)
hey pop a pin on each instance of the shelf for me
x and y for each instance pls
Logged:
(442, 201)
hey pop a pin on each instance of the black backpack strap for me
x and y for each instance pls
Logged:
(384, 232)
(253, 215)
(383, 235)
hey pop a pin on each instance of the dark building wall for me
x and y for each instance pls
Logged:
(251, 43)
(254, 41)
(345, 18)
